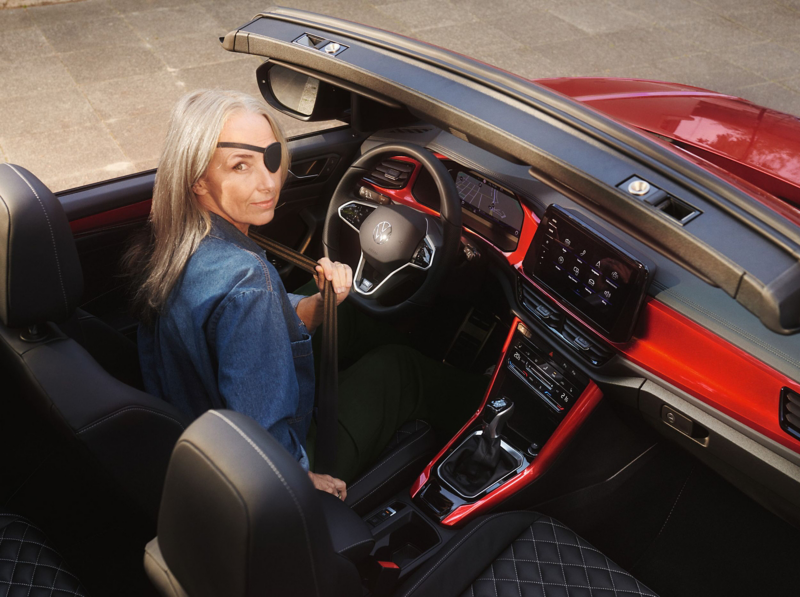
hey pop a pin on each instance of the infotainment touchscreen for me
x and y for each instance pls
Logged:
(596, 278)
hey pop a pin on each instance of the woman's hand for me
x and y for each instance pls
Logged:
(329, 484)
(310, 309)
(340, 274)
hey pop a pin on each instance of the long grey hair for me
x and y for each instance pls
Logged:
(177, 223)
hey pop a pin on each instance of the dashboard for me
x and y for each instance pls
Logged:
(685, 345)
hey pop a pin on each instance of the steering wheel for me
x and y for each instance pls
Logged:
(396, 240)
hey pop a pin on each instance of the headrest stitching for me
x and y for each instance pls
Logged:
(52, 237)
(285, 484)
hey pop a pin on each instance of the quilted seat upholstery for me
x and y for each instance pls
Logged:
(520, 554)
(549, 559)
(29, 565)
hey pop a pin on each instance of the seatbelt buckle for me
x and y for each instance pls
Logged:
(383, 578)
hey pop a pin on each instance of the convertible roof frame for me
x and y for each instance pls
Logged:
(568, 117)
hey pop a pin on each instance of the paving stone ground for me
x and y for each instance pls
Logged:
(86, 86)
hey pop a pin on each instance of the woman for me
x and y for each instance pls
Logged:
(218, 328)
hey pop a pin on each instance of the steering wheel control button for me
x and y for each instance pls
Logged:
(423, 254)
(382, 232)
(355, 213)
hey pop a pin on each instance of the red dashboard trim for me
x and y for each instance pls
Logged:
(552, 448)
(111, 217)
(423, 478)
(694, 359)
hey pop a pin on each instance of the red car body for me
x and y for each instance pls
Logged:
(751, 142)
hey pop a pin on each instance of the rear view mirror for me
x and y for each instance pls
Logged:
(301, 95)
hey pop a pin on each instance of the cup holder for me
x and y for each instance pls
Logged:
(406, 539)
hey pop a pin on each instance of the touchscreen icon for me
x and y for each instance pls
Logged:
(561, 259)
(567, 242)
(615, 275)
(591, 281)
(576, 271)
(607, 294)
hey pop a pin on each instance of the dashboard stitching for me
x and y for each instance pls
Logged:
(729, 325)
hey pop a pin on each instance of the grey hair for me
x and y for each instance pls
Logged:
(177, 221)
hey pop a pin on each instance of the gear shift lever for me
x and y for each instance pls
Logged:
(503, 409)
(481, 458)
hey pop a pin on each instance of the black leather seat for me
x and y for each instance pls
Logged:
(240, 518)
(82, 375)
(29, 565)
(123, 433)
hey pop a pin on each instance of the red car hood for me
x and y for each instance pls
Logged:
(760, 145)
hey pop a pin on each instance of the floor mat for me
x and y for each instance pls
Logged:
(717, 541)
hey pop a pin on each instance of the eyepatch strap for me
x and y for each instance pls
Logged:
(272, 153)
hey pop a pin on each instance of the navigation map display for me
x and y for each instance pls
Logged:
(491, 202)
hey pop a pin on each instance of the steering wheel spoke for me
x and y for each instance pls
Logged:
(396, 241)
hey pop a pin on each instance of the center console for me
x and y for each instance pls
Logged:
(534, 404)
(583, 291)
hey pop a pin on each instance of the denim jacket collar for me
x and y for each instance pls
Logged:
(222, 228)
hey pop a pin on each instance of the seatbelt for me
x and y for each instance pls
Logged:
(327, 420)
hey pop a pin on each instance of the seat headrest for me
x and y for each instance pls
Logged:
(239, 517)
(40, 273)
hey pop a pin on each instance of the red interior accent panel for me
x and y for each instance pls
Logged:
(690, 357)
(557, 441)
(405, 197)
(560, 438)
(111, 217)
(423, 478)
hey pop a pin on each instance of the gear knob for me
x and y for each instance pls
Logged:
(503, 408)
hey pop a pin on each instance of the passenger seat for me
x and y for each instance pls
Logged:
(29, 565)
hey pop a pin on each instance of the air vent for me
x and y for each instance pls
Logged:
(594, 350)
(790, 412)
(539, 306)
(410, 130)
(391, 174)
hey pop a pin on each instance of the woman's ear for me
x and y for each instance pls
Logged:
(200, 188)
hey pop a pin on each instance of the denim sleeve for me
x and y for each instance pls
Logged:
(255, 368)
(295, 299)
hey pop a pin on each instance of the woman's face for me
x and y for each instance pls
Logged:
(237, 185)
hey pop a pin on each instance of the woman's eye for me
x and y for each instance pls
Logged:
(240, 166)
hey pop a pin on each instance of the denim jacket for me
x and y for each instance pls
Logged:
(229, 337)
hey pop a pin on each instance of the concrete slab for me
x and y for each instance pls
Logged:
(77, 35)
(105, 73)
(111, 62)
(134, 96)
(32, 76)
(68, 155)
(42, 112)
(165, 23)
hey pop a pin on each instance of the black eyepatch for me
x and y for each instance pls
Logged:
(272, 153)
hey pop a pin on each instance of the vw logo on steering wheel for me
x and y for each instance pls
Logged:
(382, 232)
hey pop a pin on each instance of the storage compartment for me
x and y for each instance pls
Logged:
(404, 538)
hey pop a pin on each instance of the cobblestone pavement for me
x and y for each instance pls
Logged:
(86, 87)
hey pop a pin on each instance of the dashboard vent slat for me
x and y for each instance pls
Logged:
(592, 349)
(790, 412)
(596, 352)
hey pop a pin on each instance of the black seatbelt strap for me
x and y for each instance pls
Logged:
(327, 421)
